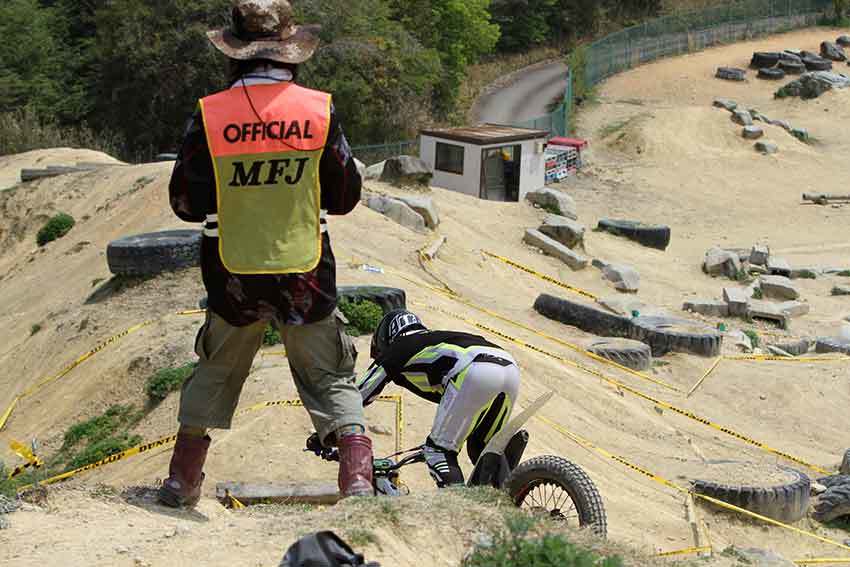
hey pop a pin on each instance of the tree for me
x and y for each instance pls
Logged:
(524, 23)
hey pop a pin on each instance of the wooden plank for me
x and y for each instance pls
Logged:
(430, 252)
(693, 521)
(33, 174)
(824, 198)
(278, 493)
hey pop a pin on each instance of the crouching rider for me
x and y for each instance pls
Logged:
(474, 382)
(262, 163)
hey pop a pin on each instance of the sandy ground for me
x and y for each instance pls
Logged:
(692, 172)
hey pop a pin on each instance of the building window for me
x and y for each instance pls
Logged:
(449, 158)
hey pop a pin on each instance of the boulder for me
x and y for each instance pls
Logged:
(709, 307)
(624, 278)
(794, 308)
(841, 290)
(552, 247)
(361, 168)
(807, 273)
(784, 124)
(831, 51)
(778, 287)
(398, 211)
(725, 103)
(722, 262)
(740, 339)
(759, 255)
(801, 134)
(565, 230)
(766, 148)
(793, 67)
(779, 266)
(742, 117)
(843, 41)
(731, 74)
(757, 270)
(758, 309)
(424, 206)
(406, 170)
(753, 557)
(375, 171)
(752, 132)
(556, 202)
(813, 84)
(737, 298)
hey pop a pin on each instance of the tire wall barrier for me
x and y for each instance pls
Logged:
(687, 32)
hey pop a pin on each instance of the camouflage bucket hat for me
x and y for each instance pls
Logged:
(265, 29)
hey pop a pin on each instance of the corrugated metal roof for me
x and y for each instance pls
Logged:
(486, 134)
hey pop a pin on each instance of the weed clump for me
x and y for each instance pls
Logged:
(363, 316)
(57, 227)
(168, 380)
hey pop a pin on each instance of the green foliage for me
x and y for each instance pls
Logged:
(363, 316)
(523, 24)
(844, 274)
(758, 293)
(56, 227)
(98, 428)
(518, 546)
(361, 537)
(551, 208)
(168, 380)
(25, 129)
(271, 336)
(35, 329)
(104, 448)
(754, 337)
(807, 275)
(99, 437)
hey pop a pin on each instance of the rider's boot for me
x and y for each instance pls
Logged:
(185, 474)
(443, 465)
(355, 466)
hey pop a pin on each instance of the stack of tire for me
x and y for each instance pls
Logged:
(775, 65)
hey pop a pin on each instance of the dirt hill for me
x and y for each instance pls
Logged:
(681, 163)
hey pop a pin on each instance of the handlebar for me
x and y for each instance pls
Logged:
(417, 455)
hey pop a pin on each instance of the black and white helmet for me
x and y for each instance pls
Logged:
(395, 324)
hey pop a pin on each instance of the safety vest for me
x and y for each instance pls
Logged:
(266, 143)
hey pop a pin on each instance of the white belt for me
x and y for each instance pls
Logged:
(212, 232)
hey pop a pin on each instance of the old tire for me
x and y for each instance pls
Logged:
(832, 344)
(731, 74)
(796, 348)
(765, 59)
(845, 464)
(817, 64)
(631, 354)
(771, 74)
(833, 504)
(667, 334)
(834, 480)
(154, 253)
(551, 471)
(388, 298)
(786, 503)
(583, 316)
(792, 67)
(652, 236)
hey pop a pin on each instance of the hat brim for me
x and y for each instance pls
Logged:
(295, 49)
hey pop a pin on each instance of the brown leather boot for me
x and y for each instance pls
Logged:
(355, 466)
(185, 474)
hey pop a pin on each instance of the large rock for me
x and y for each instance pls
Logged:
(725, 103)
(843, 41)
(759, 255)
(766, 148)
(813, 84)
(722, 262)
(742, 117)
(398, 211)
(778, 287)
(831, 51)
(624, 278)
(737, 298)
(779, 266)
(554, 248)
(375, 171)
(555, 202)
(406, 170)
(758, 309)
(424, 206)
(753, 557)
(841, 290)
(709, 307)
(794, 308)
(565, 230)
(752, 132)
(801, 134)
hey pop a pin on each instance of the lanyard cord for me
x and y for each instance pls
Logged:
(257, 114)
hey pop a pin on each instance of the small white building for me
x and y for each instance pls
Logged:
(497, 163)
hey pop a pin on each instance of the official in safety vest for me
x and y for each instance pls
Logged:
(262, 164)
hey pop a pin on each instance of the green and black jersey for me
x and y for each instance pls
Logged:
(425, 362)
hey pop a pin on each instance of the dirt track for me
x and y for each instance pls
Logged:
(680, 162)
(526, 97)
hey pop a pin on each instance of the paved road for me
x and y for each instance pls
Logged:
(525, 99)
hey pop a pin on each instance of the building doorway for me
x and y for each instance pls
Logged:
(500, 173)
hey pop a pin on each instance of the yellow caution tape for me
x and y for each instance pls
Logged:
(688, 551)
(704, 376)
(234, 502)
(824, 561)
(33, 462)
(5, 417)
(663, 481)
(399, 424)
(192, 312)
(543, 277)
(771, 358)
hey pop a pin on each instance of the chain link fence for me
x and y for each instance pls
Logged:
(376, 153)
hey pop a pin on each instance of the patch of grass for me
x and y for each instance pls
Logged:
(363, 316)
(35, 329)
(551, 208)
(57, 227)
(753, 336)
(271, 336)
(389, 511)
(360, 537)
(610, 129)
(844, 274)
(519, 545)
(98, 437)
(483, 495)
(98, 428)
(168, 380)
(660, 363)
(102, 449)
(758, 293)
(840, 524)
(807, 275)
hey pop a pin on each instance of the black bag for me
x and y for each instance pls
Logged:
(323, 549)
